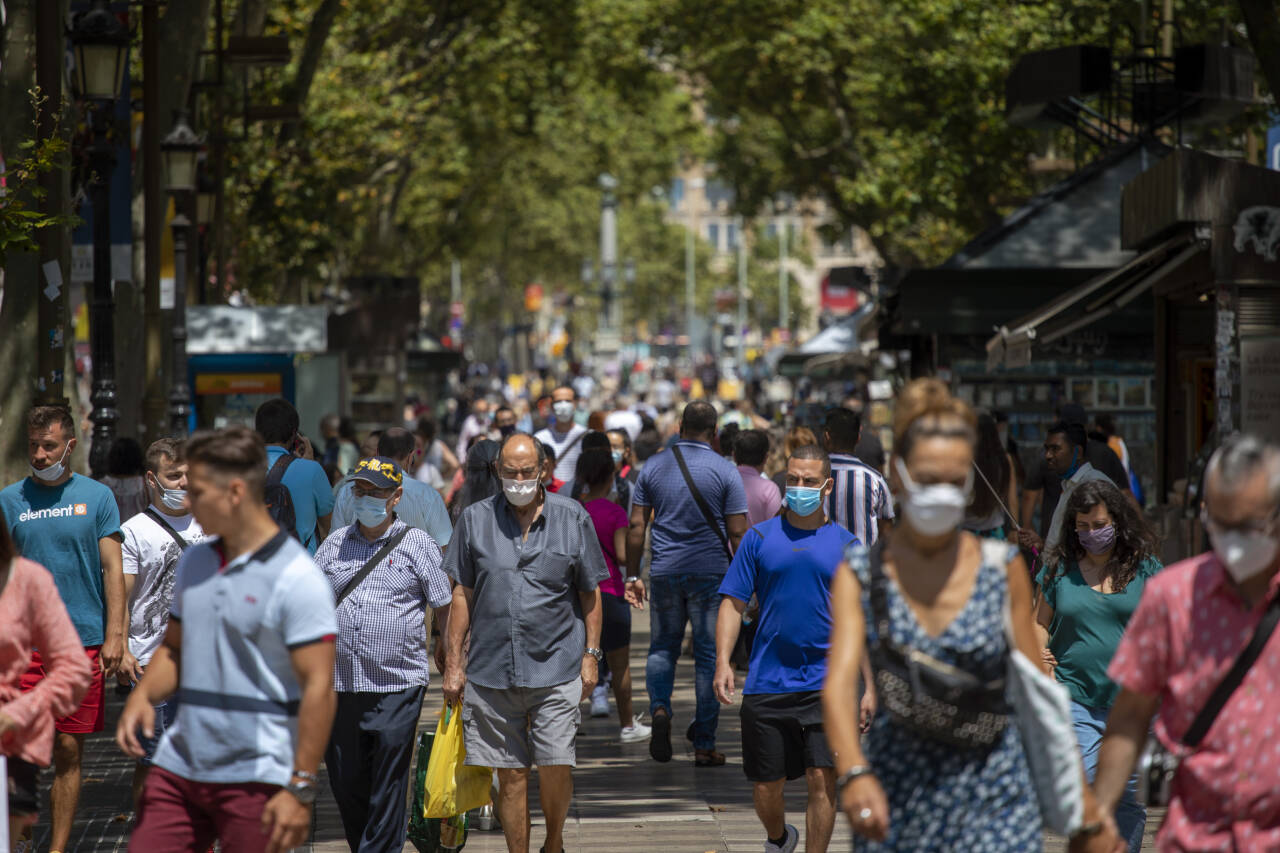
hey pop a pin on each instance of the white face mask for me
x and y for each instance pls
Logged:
(174, 499)
(1244, 554)
(54, 471)
(934, 509)
(520, 492)
(563, 410)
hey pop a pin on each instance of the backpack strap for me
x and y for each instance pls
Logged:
(701, 501)
(276, 475)
(372, 564)
(167, 528)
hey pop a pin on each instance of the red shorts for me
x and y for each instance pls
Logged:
(91, 716)
(178, 814)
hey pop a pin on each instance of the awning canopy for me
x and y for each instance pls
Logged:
(1097, 298)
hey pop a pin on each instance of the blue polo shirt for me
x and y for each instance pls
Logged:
(59, 528)
(312, 494)
(790, 572)
(238, 696)
(682, 541)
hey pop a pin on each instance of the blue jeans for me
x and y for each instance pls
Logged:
(677, 599)
(1131, 816)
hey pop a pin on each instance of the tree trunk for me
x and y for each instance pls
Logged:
(1262, 18)
(312, 51)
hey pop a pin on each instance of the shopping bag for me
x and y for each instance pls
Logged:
(452, 787)
(424, 832)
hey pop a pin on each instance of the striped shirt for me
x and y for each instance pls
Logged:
(382, 638)
(860, 497)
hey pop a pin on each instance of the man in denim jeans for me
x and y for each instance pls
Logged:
(689, 559)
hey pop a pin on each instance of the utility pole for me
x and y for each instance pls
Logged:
(741, 335)
(784, 279)
(154, 209)
(690, 288)
(51, 311)
(607, 342)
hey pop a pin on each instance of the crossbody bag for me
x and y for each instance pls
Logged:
(1157, 765)
(924, 694)
(703, 507)
(372, 564)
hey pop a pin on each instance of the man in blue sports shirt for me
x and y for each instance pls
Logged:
(787, 562)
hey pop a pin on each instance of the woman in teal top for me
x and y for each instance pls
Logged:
(1088, 589)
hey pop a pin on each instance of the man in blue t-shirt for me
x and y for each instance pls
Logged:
(277, 422)
(690, 555)
(70, 524)
(787, 562)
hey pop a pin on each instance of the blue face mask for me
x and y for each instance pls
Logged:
(1075, 465)
(617, 458)
(371, 510)
(804, 500)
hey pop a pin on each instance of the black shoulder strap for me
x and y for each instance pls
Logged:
(701, 501)
(879, 599)
(1204, 720)
(276, 475)
(168, 528)
(368, 567)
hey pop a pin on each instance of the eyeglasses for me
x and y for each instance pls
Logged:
(521, 474)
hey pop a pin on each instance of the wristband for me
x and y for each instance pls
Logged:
(852, 773)
(307, 777)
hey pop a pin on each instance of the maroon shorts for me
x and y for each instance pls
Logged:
(176, 814)
(91, 715)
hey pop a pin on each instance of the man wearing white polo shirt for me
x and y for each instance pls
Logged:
(249, 652)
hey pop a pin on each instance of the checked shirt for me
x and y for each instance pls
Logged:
(382, 637)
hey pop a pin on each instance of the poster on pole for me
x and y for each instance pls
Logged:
(1260, 386)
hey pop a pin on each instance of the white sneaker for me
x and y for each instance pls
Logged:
(600, 701)
(792, 837)
(635, 732)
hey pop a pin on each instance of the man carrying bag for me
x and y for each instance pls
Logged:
(385, 575)
(698, 508)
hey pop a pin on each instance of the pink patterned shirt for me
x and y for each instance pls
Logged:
(1187, 631)
(32, 615)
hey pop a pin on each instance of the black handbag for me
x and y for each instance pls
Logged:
(927, 695)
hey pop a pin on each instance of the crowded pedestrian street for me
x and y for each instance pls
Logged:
(639, 425)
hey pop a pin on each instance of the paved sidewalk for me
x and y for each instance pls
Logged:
(623, 800)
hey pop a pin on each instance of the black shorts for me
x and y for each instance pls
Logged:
(782, 735)
(615, 632)
(22, 787)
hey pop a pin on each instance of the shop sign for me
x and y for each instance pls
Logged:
(238, 383)
(1260, 386)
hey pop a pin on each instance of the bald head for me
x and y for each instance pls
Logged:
(521, 457)
(1242, 482)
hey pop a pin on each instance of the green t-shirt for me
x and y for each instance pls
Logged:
(1086, 628)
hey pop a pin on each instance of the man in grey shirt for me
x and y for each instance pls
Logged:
(527, 565)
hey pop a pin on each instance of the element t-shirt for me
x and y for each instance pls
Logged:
(790, 572)
(59, 528)
(151, 554)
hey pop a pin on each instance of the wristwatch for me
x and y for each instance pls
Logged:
(852, 773)
(303, 791)
(632, 579)
(597, 654)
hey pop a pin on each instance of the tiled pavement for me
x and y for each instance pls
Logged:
(623, 801)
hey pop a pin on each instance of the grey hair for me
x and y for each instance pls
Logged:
(1241, 456)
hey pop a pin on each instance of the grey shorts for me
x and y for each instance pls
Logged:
(522, 726)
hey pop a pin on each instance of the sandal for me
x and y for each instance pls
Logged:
(708, 758)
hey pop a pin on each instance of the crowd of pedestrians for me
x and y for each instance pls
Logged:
(270, 605)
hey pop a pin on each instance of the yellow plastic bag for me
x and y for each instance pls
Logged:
(452, 787)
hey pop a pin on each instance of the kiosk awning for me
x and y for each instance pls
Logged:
(1097, 298)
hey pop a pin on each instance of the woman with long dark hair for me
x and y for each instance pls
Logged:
(1088, 589)
(594, 476)
(994, 483)
(33, 616)
(479, 480)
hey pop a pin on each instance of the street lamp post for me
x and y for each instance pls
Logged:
(609, 252)
(101, 43)
(181, 149)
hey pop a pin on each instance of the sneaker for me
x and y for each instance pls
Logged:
(600, 701)
(635, 732)
(792, 838)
